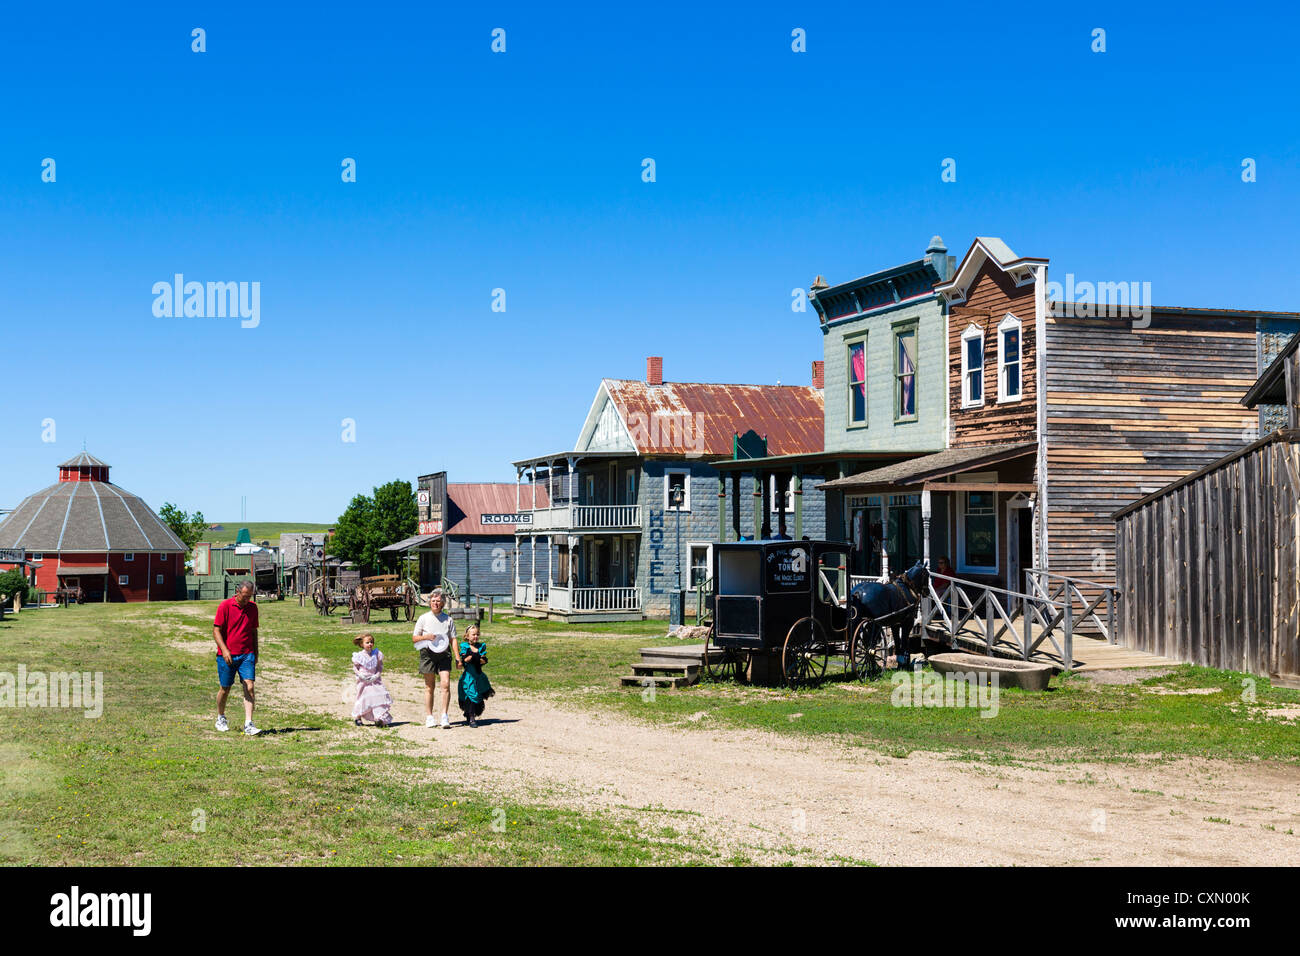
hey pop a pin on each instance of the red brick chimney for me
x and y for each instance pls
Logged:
(819, 374)
(654, 370)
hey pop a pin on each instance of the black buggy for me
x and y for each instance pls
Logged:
(786, 605)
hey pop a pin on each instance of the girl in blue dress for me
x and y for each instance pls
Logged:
(473, 690)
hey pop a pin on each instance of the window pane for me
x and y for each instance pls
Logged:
(858, 382)
(906, 374)
(1011, 345)
(980, 542)
(1013, 379)
(974, 353)
(975, 384)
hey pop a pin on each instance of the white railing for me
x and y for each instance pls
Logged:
(607, 599)
(585, 518)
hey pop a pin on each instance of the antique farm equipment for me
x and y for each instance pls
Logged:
(391, 591)
(785, 606)
(333, 588)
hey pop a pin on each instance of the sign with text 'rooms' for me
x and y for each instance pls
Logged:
(524, 518)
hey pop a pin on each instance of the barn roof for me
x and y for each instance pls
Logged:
(86, 516)
(701, 418)
(84, 461)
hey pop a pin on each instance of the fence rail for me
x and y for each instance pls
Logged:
(1091, 613)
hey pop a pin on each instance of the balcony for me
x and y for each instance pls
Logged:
(586, 518)
(563, 603)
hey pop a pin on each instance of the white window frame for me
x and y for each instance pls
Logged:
(123, 580)
(849, 345)
(708, 561)
(686, 483)
(160, 578)
(38, 555)
(972, 332)
(1010, 322)
(789, 495)
(962, 566)
(130, 556)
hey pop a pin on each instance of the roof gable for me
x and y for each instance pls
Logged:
(988, 249)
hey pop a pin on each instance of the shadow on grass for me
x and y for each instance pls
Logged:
(287, 730)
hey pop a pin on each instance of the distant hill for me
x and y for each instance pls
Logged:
(260, 530)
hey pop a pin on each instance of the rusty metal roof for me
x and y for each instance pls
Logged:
(700, 419)
(468, 502)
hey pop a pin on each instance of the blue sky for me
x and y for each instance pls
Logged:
(522, 171)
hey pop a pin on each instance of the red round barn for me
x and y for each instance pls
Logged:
(86, 531)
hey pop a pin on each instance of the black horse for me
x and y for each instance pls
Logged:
(872, 600)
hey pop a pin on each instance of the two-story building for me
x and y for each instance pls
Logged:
(1061, 412)
(885, 375)
(612, 526)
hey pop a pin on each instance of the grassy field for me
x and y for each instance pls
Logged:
(260, 530)
(150, 782)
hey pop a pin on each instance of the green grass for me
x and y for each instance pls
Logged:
(261, 530)
(152, 783)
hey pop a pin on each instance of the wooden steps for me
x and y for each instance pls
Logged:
(672, 666)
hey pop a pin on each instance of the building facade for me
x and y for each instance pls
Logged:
(636, 505)
(84, 531)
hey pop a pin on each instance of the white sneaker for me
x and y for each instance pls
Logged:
(221, 723)
(445, 721)
(430, 721)
(250, 729)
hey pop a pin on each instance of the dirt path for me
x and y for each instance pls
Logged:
(777, 798)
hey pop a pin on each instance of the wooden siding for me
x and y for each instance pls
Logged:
(1209, 571)
(992, 295)
(1131, 410)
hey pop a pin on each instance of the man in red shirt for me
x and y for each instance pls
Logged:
(235, 631)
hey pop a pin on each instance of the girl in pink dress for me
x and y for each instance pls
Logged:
(373, 700)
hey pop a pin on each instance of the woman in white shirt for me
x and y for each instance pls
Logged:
(435, 638)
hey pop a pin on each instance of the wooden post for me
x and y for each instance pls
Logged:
(782, 486)
(798, 501)
(1027, 627)
(884, 537)
(952, 614)
(735, 503)
(988, 621)
(925, 526)
(1069, 632)
(1110, 616)
(758, 505)
(722, 506)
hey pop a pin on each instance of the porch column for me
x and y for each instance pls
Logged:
(722, 506)
(550, 564)
(758, 505)
(925, 526)
(518, 495)
(534, 477)
(735, 503)
(782, 486)
(797, 481)
(884, 536)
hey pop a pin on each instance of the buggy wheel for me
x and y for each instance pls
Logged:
(392, 613)
(365, 606)
(731, 663)
(870, 650)
(804, 655)
(327, 602)
(410, 604)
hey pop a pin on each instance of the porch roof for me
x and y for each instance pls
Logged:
(951, 461)
(781, 462)
(564, 456)
(85, 571)
(407, 544)
(1270, 387)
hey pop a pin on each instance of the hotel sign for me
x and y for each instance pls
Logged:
(521, 518)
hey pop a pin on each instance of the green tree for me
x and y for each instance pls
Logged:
(372, 522)
(190, 528)
(14, 582)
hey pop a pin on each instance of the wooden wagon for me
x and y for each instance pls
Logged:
(332, 589)
(784, 605)
(391, 591)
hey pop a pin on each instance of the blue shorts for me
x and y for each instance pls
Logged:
(241, 664)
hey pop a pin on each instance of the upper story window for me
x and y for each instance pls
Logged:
(677, 478)
(905, 375)
(857, 378)
(972, 367)
(1009, 378)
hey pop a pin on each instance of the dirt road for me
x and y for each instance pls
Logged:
(777, 798)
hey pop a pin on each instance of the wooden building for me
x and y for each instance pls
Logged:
(1208, 567)
(84, 531)
(1059, 415)
(601, 535)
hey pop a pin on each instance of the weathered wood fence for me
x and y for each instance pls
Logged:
(1208, 568)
